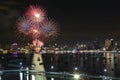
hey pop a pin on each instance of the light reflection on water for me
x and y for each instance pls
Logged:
(105, 64)
(90, 63)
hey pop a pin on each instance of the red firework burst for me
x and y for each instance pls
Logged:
(35, 25)
(36, 14)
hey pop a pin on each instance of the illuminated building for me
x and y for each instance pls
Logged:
(107, 44)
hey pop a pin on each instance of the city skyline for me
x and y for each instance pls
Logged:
(77, 20)
(86, 47)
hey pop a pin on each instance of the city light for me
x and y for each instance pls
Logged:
(105, 70)
(76, 68)
(27, 72)
(52, 67)
(1, 73)
(76, 76)
(73, 61)
(52, 78)
(21, 76)
(33, 77)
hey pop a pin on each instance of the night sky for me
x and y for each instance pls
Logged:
(78, 20)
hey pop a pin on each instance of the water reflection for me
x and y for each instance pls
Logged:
(91, 63)
(95, 64)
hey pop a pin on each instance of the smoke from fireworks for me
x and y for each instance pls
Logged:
(34, 24)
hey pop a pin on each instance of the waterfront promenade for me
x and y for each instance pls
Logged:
(38, 65)
(95, 63)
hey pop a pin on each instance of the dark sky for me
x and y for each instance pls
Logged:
(78, 20)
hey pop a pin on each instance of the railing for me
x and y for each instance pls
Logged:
(31, 74)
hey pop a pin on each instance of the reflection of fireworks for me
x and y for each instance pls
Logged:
(36, 14)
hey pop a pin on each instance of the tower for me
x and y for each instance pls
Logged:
(37, 60)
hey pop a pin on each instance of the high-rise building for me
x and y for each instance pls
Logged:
(109, 44)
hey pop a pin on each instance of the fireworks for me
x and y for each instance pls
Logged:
(36, 14)
(50, 29)
(34, 24)
(24, 25)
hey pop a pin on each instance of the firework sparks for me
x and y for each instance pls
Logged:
(35, 33)
(34, 25)
(23, 25)
(36, 14)
(50, 29)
